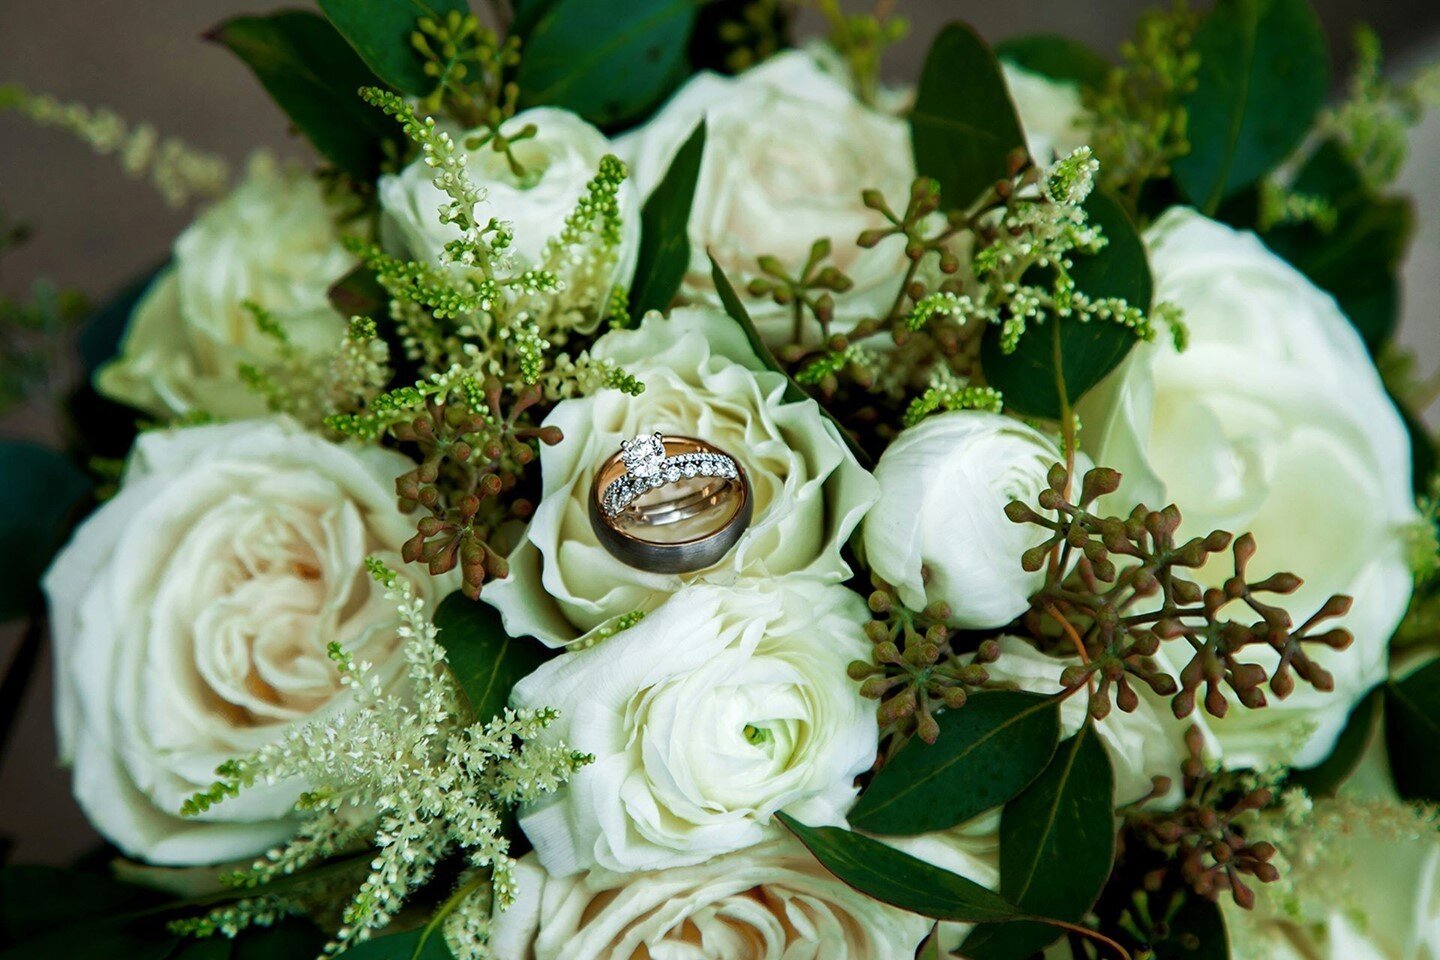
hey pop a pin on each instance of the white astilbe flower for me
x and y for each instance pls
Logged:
(409, 773)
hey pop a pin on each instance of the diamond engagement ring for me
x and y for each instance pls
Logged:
(670, 504)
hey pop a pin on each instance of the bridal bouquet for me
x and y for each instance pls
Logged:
(653, 489)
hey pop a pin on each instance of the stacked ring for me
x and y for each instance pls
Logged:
(670, 504)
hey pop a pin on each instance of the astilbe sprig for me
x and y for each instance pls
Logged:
(914, 670)
(1208, 837)
(1119, 587)
(411, 772)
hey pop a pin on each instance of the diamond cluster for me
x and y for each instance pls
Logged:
(646, 471)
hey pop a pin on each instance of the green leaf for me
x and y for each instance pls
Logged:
(359, 294)
(1057, 847)
(1358, 262)
(1422, 450)
(42, 492)
(47, 912)
(487, 662)
(380, 30)
(315, 78)
(664, 230)
(1196, 931)
(899, 879)
(794, 393)
(963, 127)
(1056, 57)
(988, 751)
(401, 946)
(1412, 732)
(1323, 779)
(1263, 77)
(610, 61)
(1030, 376)
(297, 938)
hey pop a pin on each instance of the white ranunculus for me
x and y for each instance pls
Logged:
(722, 707)
(702, 379)
(191, 616)
(788, 150)
(1050, 112)
(562, 157)
(274, 242)
(769, 902)
(1142, 744)
(944, 484)
(1273, 421)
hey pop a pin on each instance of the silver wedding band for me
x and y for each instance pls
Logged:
(657, 482)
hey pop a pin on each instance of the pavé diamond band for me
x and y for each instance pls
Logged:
(670, 504)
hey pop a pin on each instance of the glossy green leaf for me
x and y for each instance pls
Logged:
(794, 393)
(42, 492)
(1057, 57)
(1358, 261)
(987, 752)
(1263, 77)
(1030, 376)
(1195, 931)
(402, 946)
(1412, 732)
(312, 74)
(610, 61)
(380, 32)
(1057, 847)
(899, 879)
(1325, 778)
(964, 128)
(664, 230)
(487, 661)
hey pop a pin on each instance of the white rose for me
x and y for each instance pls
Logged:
(701, 380)
(788, 150)
(559, 160)
(273, 241)
(1273, 421)
(191, 615)
(712, 713)
(768, 902)
(1375, 897)
(1051, 114)
(944, 484)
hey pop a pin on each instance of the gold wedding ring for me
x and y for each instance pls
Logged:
(670, 504)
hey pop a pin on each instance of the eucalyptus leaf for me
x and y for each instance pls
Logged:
(794, 393)
(963, 127)
(1057, 847)
(487, 662)
(412, 945)
(1263, 76)
(1358, 260)
(43, 493)
(664, 230)
(896, 878)
(1057, 57)
(1412, 732)
(380, 32)
(313, 76)
(987, 752)
(1325, 778)
(610, 61)
(1079, 353)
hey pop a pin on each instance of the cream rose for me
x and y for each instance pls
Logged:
(788, 150)
(273, 241)
(939, 530)
(1050, 111)
(191, 616)
(702, 380)
(559, 160)
(768, 902)
(1273, 421)
(712, 713)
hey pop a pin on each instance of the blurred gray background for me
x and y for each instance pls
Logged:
(146, 59)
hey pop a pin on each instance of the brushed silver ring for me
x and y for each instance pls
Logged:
(657, 481)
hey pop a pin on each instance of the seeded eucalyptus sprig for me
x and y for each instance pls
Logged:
(1207, 837)
(914, 669)
(1117, 588)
